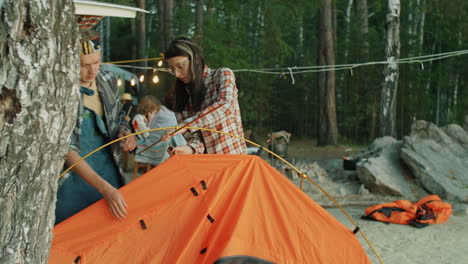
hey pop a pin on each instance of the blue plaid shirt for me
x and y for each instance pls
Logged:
(114, 121)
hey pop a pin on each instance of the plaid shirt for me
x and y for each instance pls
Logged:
(221, 90)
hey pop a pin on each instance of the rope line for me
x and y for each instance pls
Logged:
(130, 61)
(304, 176)
(310, 69)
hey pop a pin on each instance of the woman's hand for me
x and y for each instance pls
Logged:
(116, 202)
(186, 149)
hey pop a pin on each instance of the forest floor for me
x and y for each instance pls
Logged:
(307, 149)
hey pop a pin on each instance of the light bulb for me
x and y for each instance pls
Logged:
(132, 82)
(160, 63)
(142, 78)
(119, 82)
(155, 79)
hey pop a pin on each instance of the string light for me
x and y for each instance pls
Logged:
(142, 78)
(119, 82)
(155, 79)
(160, 63)
(132, 82)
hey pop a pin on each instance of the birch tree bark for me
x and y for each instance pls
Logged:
(39, 68)
(390, 72)
(328, 130)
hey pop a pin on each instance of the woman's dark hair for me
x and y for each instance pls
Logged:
(177, 97)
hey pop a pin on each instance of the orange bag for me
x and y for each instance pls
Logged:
(428, 210)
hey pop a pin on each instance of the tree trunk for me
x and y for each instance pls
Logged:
(422, 19)
(133, 47)
(166, 27)
(162, 25)
(199, 19)
(328, 131)
(38, 102)
(390, 72)
(169, 18)
(152, 6)
(347, 30)
(141, 33)
(141, 50)
(344, 79)
(363, 89)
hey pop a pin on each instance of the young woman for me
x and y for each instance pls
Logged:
(197, 91)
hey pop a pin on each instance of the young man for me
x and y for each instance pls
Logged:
(99, 121)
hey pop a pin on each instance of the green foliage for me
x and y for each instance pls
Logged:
(256, 34)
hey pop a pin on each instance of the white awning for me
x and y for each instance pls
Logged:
(93, 8)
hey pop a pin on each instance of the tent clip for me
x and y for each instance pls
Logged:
(210, 218)
(143, 224)
(203, 183)
(194, 191)
(77, 260)
(356, 230)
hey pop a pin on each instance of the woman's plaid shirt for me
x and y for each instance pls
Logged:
(221, 90)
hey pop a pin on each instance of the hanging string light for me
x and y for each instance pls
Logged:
(142, 78)
(160, 62)
(119, 82)
(155, 76)
(132, 82)
(155, 79)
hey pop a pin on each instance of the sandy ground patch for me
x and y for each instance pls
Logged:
(401, 244)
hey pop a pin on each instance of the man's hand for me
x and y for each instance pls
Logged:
(129, 143)
(116, 202)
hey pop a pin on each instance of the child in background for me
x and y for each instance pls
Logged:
(146, 109)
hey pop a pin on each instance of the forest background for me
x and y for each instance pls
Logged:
(280, 34)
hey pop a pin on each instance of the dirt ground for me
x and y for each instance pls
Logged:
(308, 149)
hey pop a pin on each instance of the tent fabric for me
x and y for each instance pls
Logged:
(204, 209)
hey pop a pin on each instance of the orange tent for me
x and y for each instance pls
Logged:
(220, 209)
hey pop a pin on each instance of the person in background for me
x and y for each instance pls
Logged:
(99, 121)
(151, 114)
(198, 90)
(145, 111)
